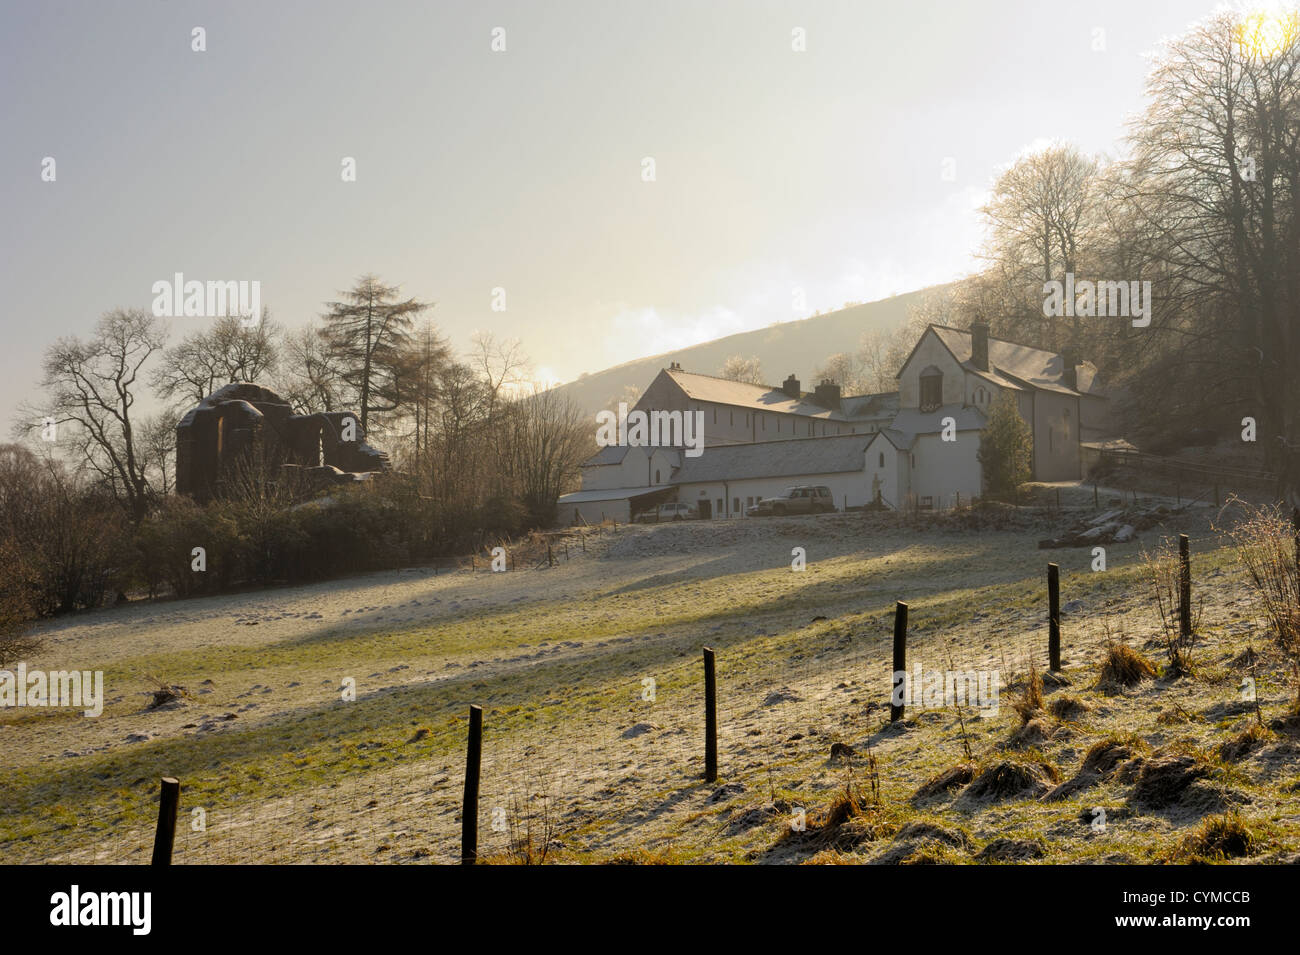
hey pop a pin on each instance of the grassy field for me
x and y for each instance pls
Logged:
(590, 678)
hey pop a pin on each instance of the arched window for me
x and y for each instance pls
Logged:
(981, 396)
(931, 389)
(882, 459)
(656, 476)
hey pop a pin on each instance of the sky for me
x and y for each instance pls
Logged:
(784, 182)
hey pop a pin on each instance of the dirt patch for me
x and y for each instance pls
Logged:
(1012, 850)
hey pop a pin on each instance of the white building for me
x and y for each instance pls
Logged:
(918, 447)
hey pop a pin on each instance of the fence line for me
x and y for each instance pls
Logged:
(318, 820)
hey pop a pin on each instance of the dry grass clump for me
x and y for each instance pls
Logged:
(1244, 743)
(1067, 709)
(1123, 667)
(1030, 702)
(1217, 838)
(1022, 776)
(945, 782)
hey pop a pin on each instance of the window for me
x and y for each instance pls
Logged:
(656, 477)
(882, 459)
(735, 504)
(931, 389)
(764, 420)
(719, 509)
(715, 415)
(731, 418)
(981, 396)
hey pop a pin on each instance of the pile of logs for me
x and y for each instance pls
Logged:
(1113, 527)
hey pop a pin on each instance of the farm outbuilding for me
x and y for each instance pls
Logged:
(725, 480)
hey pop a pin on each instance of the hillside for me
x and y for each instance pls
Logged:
(797, 346)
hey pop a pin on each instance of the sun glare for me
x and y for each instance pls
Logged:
(1265, 33)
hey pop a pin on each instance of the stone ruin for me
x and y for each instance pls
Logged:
(244, 421)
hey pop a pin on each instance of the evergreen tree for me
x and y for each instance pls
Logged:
(1005, 447)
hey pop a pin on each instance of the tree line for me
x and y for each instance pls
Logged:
(1204, 203)
(87, 503)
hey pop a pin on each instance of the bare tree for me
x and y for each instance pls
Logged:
(1214, 183)
(846, 369)
(226, 352)
(91, 386)
(1039, 216)
(739, 368)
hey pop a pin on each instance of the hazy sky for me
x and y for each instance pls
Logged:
(522, 169)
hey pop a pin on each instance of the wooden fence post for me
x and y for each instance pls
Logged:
(169, 798)
(550, 562)
(1184, 588)
(1054, 616)
(710, 718)
(899, 678)
(469, 809)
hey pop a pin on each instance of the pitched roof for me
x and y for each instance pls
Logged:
(610, 494)
(742, 394)
(884, 405)
(609, 454)
(901, 441)
(1014, 366)
(800, 456)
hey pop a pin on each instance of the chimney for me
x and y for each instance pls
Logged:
(1070, 368)
(979, 345)
(827, 394)
(673, 366)
(791, 387)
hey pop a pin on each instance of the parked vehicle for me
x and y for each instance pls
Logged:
(801, 499)
(672, 511)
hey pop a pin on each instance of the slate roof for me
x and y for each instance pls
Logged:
(1018, 367)
(609, 454)
(610, 493)
(741, 394)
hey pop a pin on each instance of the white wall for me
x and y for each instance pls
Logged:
(855, 484)
(893, 474)
(617, 510)
(944, 468)
(932, 351)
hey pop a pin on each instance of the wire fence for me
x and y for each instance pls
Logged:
(604, 759)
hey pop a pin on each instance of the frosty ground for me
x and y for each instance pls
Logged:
(590, 678)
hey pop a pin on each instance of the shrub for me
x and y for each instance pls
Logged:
(1269, 547)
